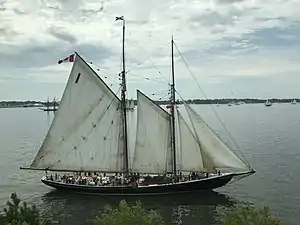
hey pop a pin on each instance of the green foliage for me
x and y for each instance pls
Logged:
(21, 214)
(248, 215)
(128, 215)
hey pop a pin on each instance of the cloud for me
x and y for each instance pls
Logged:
(224, 42)
(60, 34)
(36, 56)
(229, 1)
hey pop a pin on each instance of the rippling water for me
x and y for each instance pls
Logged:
(269, 137)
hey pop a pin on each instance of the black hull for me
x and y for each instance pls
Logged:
(161, 189)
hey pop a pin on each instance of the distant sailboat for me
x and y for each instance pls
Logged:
(268, 103)
(48, 107)
(90, 134)
(294, 102)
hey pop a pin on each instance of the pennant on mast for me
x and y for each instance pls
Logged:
(119, 18)
(70, 58)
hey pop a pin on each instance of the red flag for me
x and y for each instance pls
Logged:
(68, 59)
(170, 106)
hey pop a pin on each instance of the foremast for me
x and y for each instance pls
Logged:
(123, 99)
(173, 137)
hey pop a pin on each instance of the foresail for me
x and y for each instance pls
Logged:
(87, 132)
(153, 140)
(190, 157)
(215, 152)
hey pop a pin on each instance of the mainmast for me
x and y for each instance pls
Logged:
(123, 98)
(173, 110)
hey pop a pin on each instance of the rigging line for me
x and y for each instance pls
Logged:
(106, 75)
(164, 92)
(88, 132)
(148, 58)
(216, 114)
(167, 82)
(146, 78)
(158, 71)
(139, 64)
(164, 97)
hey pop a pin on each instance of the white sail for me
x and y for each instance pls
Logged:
(86, 132)
(153, 140)
(129, 104)
(214, 151)
(189, 149)
(131, 133)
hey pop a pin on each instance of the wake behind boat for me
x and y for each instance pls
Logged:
(90, 137)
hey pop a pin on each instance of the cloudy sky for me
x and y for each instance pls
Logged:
(234, 48)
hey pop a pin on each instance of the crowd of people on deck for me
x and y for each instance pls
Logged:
(96, 179)
(120, 179)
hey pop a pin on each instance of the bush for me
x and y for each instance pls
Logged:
(248, 215)
(22, 214)
(17, 214)
(128, 215)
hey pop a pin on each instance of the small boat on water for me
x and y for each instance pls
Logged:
(50, 106)
(90, 141)
(268, 103)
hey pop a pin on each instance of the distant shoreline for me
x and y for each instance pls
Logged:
(26, 104)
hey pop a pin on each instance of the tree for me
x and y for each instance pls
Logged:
(128, 215)
(22, 214)
(248, 215)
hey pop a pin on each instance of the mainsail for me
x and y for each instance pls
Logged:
(153, 140)
(215, 152)
(131, 133)
(87, 132)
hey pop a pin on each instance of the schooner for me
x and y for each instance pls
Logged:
(90, 134)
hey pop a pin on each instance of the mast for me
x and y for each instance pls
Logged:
(123, 98)
(172, 110)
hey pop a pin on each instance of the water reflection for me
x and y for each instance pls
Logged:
(193, 208)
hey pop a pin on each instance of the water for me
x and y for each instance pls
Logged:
(268, 136)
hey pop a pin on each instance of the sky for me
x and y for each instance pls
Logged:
(232, 48)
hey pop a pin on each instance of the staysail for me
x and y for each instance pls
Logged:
(215, 152)
(190, 157)
(87, 132)
(153, 140)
